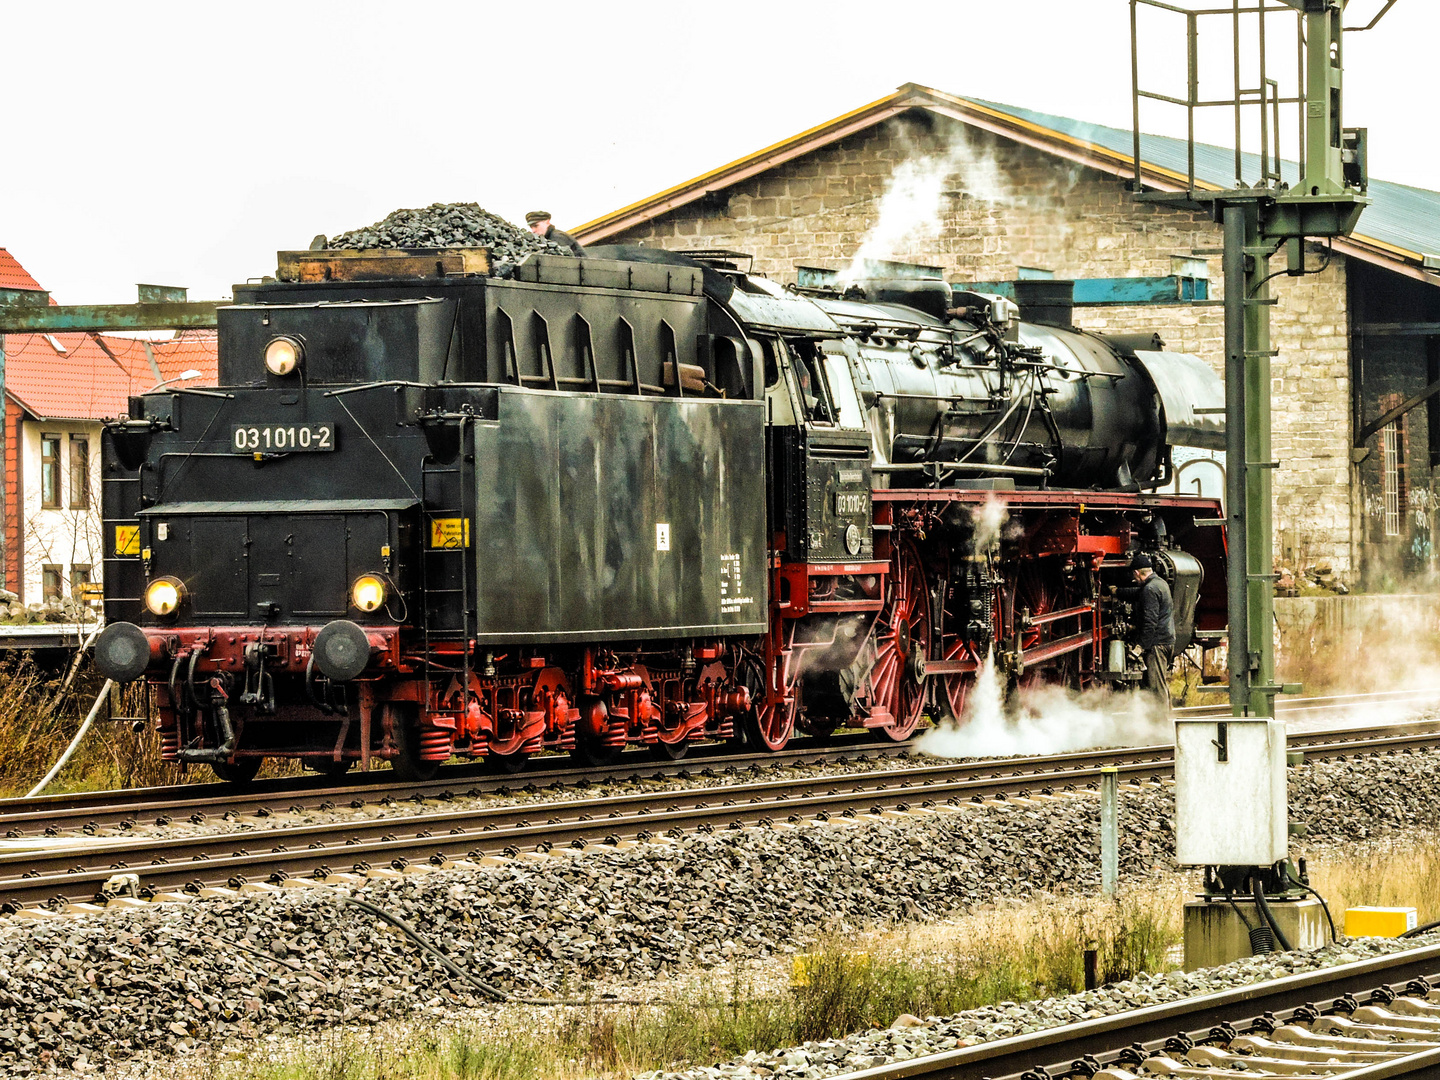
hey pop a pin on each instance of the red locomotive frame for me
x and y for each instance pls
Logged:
(1048, 622)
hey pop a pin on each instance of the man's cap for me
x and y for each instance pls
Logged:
(1141, 562)
(537, 215)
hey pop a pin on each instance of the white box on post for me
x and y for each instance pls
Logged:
(1230, 805)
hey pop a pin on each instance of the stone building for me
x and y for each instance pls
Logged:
(995, 192)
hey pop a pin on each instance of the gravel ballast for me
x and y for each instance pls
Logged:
(173, 976)
(441, 225)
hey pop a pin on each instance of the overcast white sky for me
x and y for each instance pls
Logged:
(185, 143)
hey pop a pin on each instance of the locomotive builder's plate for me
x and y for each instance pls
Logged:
(281, 438)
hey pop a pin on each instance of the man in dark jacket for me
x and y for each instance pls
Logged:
(1154, 625)
(539, 222)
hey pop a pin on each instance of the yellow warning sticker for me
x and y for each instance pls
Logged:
(446, 532)
(127, 539)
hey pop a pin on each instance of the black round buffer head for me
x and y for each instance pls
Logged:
(342, 651)
(122, 652)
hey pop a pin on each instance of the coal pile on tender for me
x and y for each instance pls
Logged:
(443, 225)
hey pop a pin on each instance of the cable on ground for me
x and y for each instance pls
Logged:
(489, 990)
(75, 742)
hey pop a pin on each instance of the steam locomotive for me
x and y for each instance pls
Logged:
(639, 498)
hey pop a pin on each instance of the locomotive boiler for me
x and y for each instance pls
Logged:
(635, 499)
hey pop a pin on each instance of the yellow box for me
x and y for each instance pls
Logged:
(1379, 921)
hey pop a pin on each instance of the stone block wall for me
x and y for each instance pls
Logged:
(1001, 206)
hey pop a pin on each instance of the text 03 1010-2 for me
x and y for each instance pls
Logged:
(281, 438)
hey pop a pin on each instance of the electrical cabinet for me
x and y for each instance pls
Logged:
(1230, 792)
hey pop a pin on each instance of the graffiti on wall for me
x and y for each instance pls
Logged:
(1422, 514)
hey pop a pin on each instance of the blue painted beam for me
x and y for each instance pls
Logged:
(1099, 292)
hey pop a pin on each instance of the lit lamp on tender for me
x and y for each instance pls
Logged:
(368, 592)
(162, 596)
(283, 355)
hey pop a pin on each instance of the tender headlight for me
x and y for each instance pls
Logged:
(368, 592)
(162, 596)
(282, 356)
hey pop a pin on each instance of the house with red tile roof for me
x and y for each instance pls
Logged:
(59, 388)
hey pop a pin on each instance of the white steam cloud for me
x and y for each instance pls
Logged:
(911, 209)
(990, 518)
(1045, 720)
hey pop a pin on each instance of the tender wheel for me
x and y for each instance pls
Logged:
(902, 641)
(670, 751)
(595, 754)
(510, 764)
(241, 771)
(407, 762)
(333, 770)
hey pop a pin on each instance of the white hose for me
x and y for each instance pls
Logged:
(75, 742)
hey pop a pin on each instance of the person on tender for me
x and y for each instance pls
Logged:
(539, 222)
(1154, 625)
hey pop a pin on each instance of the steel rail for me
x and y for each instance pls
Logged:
(114, 806)
(596, 818)
(265, 804)
(121, 804)
(77, 872)
(1056, 1050)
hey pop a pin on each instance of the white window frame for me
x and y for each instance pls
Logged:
(1390, 475)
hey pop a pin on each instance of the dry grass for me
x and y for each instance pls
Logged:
(1388, 874)
(854, 981)
(39, 716)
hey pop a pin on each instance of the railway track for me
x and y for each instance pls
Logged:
(100, 809)
(178, 802)
(71, 869)
(1370, 1020)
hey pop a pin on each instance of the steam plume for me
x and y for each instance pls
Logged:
(990, 518)
(910, 212)
(1046, 720)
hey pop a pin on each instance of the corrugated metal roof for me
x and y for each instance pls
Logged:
(1401, 216)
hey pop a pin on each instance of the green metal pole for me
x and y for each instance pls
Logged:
(1324, 173)
(1259, 472)
(1236, 455)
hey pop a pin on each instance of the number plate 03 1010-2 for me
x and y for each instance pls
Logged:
(851, 502)
(281, 438)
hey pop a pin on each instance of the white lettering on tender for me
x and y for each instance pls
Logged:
(730, 599)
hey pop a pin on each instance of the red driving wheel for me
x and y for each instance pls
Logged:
(902, 643)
